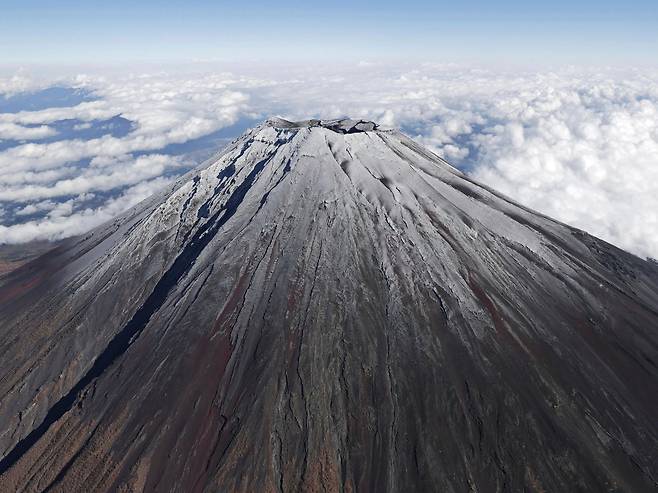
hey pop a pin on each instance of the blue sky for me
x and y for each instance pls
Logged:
(73, 31)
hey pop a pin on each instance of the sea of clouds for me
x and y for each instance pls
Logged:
(578, 145)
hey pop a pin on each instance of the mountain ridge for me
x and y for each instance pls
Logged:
(291, 314)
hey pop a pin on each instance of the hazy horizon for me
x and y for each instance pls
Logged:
(72, 31)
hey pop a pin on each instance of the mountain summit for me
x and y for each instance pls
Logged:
(328, 306)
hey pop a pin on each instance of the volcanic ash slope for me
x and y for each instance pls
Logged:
(327, 306)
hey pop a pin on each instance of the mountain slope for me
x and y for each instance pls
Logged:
(327, 306)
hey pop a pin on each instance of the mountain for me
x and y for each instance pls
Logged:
(328, 306)
(13, 256)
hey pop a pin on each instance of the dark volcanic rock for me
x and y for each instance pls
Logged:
(327, 306)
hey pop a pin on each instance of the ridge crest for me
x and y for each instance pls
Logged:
(339, 125)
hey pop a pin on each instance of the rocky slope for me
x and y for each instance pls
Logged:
(13, 256)
(327, 306)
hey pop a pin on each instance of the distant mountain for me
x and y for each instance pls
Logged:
(328, 306)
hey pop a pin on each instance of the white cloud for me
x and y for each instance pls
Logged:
(581, 146)
(66, 220)
(37, 207)
(121, 173)
(584, 153)
(11, 131)
(18, 82)
(87, 111)
(161, 118)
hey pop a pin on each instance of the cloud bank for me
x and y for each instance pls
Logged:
(580, 146)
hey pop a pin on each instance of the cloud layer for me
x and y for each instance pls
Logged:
(581, 146)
